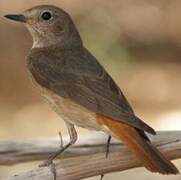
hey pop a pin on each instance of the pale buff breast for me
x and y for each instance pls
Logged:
(70, 111)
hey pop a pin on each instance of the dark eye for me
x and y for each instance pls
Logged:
(46, 16)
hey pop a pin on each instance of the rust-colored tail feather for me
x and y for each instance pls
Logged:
(149, 155)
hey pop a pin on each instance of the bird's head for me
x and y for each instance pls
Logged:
(49, 25)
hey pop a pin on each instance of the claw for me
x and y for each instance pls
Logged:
(46, 163)
(53, 170)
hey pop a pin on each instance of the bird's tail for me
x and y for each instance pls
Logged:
(149, 155)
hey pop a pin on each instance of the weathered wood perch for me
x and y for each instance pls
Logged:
(85, 159)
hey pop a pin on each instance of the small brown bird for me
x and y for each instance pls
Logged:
(80, 90)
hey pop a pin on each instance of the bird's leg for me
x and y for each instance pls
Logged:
(107, 152)
(102, 176)
(108, 146)
(73, 138)
(54, 172)
(53, 169)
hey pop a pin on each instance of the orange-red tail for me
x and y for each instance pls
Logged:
(149, 155)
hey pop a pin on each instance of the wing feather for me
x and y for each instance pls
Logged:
(82, 79)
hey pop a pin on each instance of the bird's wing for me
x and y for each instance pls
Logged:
(87, 83)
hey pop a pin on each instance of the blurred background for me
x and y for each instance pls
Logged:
(138, 42)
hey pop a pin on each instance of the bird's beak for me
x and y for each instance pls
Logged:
(16, 17)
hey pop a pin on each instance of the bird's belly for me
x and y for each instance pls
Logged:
(71, 111)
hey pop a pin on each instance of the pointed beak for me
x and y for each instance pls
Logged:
(16, 17)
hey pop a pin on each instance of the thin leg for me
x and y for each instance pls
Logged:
(73, 139)
(108, 146)
(53, 170)
(102, 176)
(107, 152)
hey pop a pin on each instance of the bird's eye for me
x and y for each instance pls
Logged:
(46, 16)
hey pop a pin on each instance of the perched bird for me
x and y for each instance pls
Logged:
(79, 89)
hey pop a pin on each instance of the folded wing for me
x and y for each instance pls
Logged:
(82, 79)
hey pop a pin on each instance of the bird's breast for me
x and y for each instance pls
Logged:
(71, 111)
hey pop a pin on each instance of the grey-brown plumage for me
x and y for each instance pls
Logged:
(75, 74)
(79, 89)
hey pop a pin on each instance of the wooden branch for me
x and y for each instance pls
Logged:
(18, 151)
(87, 157)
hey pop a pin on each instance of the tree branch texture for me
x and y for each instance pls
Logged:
(85, 159)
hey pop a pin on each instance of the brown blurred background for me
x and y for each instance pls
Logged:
(138, 42)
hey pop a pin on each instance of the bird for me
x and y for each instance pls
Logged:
(80, 90)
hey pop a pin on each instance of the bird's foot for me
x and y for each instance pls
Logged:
(50, 160)
(53, 170)
(52, 166)
(46, 163)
